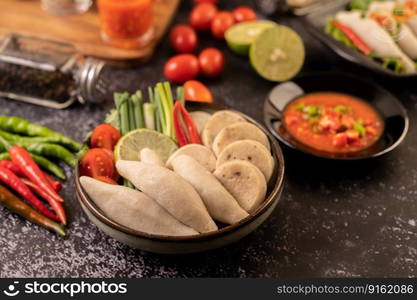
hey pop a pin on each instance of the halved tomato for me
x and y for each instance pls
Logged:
(196, 91)
(98, 162)
(104, 136)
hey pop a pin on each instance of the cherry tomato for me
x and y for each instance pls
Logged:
(206, 1)
(98, 162)
(211, 62)
(105, 179)
(183, 38)
(196, 91)
(181, 68)
(202, 15)
(221, 22)
(243, 14)
(104, 136)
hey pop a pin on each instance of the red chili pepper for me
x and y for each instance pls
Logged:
(57, 206)
(11, 166)
(56, 185)
(30, 169)
(14, 182)
(16, 205)
(181, 137)
(356, 40)
(188, 135)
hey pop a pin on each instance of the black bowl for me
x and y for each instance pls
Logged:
(196, 243)
(391, 110)
(316, 22)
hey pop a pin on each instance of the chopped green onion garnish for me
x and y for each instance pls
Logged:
(359, 128)
(300, 107)
(311, 110)
(341, 109)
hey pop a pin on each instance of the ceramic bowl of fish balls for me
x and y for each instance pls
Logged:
(204, 196)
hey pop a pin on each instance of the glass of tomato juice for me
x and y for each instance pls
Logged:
(126, 23)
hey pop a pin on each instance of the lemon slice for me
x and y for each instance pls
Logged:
(240, 36)
(277, 54)
(131, 144)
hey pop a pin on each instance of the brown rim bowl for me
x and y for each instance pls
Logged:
(196, 243)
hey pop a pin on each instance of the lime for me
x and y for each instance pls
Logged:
(277, 54)
(132, 143)
(240, 36)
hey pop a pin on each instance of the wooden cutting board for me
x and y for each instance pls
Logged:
(83, 30)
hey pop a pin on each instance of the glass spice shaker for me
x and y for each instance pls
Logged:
(271, 7)
(48, 73)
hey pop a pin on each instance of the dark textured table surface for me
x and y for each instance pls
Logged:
(333, 220)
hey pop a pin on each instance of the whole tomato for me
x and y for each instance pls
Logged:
(181, 68)
(196, 91)
(243, 14)
(221, 22)
(206, 1)
(104, 136)
(211, 62)
(98, 162)
(202, 15)
(183, 38)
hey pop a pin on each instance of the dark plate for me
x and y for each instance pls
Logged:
(274, 191)
(390, 109)
(316, 22)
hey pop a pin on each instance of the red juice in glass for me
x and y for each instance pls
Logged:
(126, 23)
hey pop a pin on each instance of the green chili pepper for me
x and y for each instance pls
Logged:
(50, 150)
(24, 127)
(44, 149)
(43, 162)
(14, 138)
(16, 205)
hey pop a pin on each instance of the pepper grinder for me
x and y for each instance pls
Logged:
(48, 73)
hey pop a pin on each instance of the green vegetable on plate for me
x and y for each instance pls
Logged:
(138, 110)
(149, 114)
(337, 34)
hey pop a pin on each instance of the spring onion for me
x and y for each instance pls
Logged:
(130, 111)
(158, 126)
(121, 101)
(149, 113)
(167, 128)
(138, 110)
(181, 95)
(160, 109)
(170, 99)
